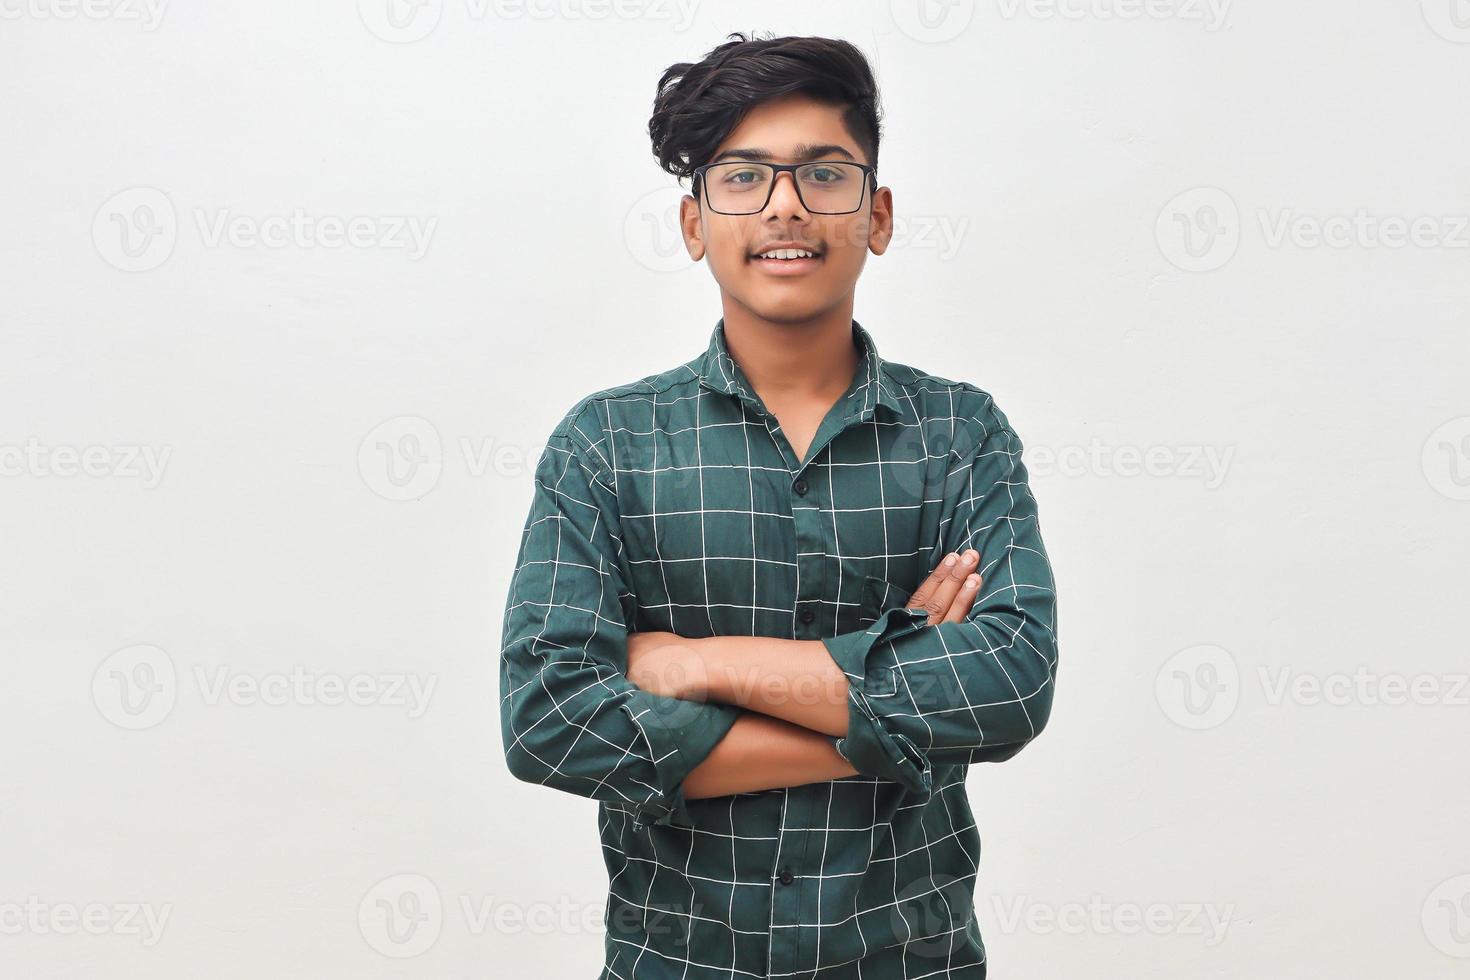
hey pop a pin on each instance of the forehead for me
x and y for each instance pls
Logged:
(781, 126)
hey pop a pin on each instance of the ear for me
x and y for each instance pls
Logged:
(880, 225)
(691, 224)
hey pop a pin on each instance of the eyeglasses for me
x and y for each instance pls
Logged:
(823, 187)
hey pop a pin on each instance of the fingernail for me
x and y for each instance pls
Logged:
(972, 582)
(948, 560)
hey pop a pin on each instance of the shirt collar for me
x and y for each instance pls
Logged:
(871, 387)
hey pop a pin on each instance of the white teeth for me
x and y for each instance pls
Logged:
(788, 253)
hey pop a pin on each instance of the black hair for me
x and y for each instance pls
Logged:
(698, 105)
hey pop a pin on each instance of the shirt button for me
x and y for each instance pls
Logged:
(807, 616)
(786, 876)
(800, 488)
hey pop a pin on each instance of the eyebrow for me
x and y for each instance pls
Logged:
(804, 152)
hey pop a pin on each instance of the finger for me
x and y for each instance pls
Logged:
(959, 609)
(944, 595)
(926, 588)
(939, 603)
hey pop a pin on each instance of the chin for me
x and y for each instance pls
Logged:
(788, 309)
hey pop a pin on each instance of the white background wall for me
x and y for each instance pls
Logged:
(1108, 214)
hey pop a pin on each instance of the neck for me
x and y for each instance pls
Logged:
(796, 360)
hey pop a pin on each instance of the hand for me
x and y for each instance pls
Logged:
(950, 589)
(668, 665)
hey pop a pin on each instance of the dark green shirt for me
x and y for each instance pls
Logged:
(676, 503)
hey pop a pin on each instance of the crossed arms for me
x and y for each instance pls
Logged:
(648, 721)
(795, 696)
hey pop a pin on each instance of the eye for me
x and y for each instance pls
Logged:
(748, 175)
(825, 175)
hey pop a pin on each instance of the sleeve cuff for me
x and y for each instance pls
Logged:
(679, 734)
(868, 745)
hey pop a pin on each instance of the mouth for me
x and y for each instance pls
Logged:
(787, 261)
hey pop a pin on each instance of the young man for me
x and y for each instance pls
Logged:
(771, 604)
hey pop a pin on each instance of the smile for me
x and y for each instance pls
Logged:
(787, 261)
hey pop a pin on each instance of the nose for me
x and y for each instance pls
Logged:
(785, 201)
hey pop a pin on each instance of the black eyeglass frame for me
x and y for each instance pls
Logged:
(870, 173)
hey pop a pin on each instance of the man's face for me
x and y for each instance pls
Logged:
(788, 129)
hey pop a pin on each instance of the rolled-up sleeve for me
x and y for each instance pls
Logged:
(974, 691)
(570, 718)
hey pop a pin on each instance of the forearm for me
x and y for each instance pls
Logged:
(761, 752)
(796, 681)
